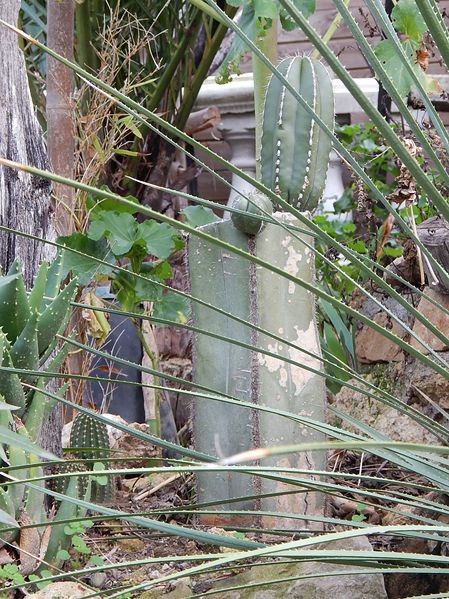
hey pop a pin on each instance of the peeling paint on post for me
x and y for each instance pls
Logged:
(288, 309)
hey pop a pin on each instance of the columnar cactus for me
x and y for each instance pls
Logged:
(90, 439)
(295, 151)
(294, 159)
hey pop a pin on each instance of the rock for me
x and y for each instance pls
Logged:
(360, 586)
(386, 420)
(62, 590)
(180, 589)
(423, 382)
(371, 346)
(127, 445)
(436, 316)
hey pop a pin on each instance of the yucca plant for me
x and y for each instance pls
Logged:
(425, 514)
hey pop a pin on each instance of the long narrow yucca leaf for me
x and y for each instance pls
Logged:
(355, 260)
(414, 414)
(336, 143)
(431, 473)
(363, 100)
(437, 27)
(254, 585)
(377, 10)
(390, 137)
(376, 393)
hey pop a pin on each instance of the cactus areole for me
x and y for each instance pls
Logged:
(295, 151)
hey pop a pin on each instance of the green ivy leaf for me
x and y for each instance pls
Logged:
(83, 266)
(306, 7)
(63, 555)
(386, 53)
(172, 306)
(131, 291)
(407, 19)
(80, 546)
(159, 238)
(119, 229)
(231, 64)
(160, 270)
(197, 216)
(266, 9)
(95, 204)
(101, 480)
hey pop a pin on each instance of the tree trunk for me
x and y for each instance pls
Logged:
(24, 199)
(60, 125)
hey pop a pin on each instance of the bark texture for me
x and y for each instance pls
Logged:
(60, 123)
(24, 199)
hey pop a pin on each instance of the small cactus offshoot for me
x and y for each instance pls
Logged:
(256, 205)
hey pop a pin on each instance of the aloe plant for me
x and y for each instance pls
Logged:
(29, 324)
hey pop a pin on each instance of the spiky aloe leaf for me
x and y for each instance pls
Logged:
(34, 499)
(39, 406)
(294, 151)
(54, 317)
(54, 277)
(7, 506)
(36, 296)
(66, 511)
(10, 385)
(24, 353)
(18, 457)
(14, 310)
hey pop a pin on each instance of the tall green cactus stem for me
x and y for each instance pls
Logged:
(90, 439)
(295, 152)
(221, 429)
